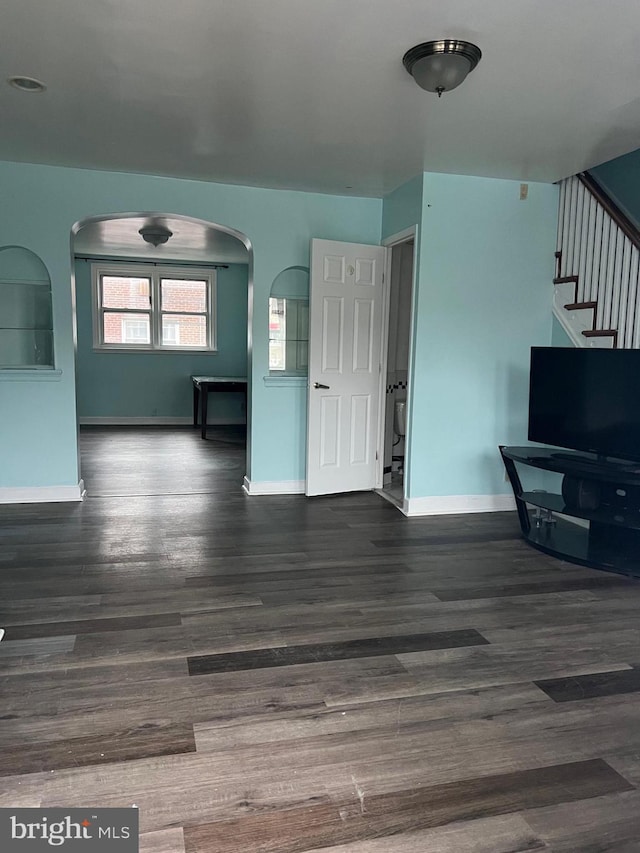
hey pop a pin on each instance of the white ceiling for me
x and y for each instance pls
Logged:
(313, 95)
(191, 241)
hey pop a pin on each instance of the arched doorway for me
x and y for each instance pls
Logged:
(152, 310)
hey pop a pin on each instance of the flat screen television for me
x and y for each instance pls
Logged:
(586, 399)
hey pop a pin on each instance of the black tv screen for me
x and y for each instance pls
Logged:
(586, 399)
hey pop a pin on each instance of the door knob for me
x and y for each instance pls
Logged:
(320, 385)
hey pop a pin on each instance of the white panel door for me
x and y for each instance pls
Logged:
(345, 345)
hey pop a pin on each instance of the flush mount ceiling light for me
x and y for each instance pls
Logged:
(155, 234)
(440, 66)
(26, 84)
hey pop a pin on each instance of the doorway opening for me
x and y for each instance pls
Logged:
(400, 277)
(149, 315)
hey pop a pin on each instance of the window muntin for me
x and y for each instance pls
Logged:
(167, 308)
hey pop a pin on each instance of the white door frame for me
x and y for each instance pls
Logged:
(389, 242)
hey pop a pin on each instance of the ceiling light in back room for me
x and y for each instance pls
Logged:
(26, 84)
(155, 234)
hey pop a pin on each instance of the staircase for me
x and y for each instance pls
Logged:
(597, 268)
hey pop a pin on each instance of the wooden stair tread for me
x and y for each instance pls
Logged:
(603, 333)
(576, 306)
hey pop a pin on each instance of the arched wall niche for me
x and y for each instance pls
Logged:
(289, 322)
(26, 315)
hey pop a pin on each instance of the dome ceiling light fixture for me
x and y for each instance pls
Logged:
(155, 234)
(440, 66)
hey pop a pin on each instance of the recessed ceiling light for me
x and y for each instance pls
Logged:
(26, 84)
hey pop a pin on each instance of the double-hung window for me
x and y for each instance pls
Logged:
(153, 308)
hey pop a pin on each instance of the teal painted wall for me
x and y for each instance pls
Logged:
(483, 298)
(402, 208)
(484, 293)
(39, 205)
(125, 384)
(621, 179)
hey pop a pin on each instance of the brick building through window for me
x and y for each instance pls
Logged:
(154, 308)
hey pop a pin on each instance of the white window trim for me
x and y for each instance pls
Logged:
(155, 274)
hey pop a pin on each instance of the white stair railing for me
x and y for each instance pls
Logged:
(597, 268)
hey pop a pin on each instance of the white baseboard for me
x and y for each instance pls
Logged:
(274, 487)
(42, 494)
(454, 504)
(159, 421)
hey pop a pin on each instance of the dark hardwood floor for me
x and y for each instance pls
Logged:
(286, 675)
